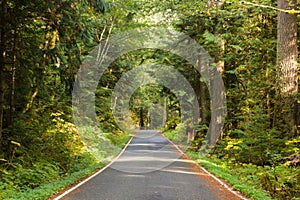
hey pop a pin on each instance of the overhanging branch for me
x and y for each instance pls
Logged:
(292, 11)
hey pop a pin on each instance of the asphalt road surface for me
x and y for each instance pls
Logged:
(151, 168)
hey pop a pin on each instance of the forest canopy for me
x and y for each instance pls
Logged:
(254, 48)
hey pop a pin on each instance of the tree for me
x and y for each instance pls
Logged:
(2, 63)
(287, 57)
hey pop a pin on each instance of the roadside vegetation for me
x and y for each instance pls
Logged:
(254, 48)
(277, 181)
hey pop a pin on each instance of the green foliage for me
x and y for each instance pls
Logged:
(281, 181)
(241, 179)
(144, 99)
(244, 38)
(171, 134)
(275, 181)
(118, 138)
(172, 122)
(48, 154)
(253, 141)
(46, 42)
(45, 153)
(46, 190)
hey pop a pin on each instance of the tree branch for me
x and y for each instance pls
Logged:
(292, 11)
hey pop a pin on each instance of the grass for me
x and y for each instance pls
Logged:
(45, 191)
(170, 134)
(231, 176)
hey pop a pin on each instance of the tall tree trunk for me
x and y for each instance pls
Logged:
(2, 64)
(13, 74)
(164, 117)
(198, 88)
(216, 94)
(221, 97)
(287, 58)
(142, 125)
(202, 91)
(204, 107)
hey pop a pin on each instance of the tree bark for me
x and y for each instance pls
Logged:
(216, 94)
(13, 78)
(200, 93)
(164, 118)
(2, 64)
(142, 125)
(287, 58)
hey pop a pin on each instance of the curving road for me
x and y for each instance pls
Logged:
(151, 168)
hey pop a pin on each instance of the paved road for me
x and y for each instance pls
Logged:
(151, 168)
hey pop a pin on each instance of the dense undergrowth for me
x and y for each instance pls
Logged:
(46, 154)
(45, 43)
(278, 180)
